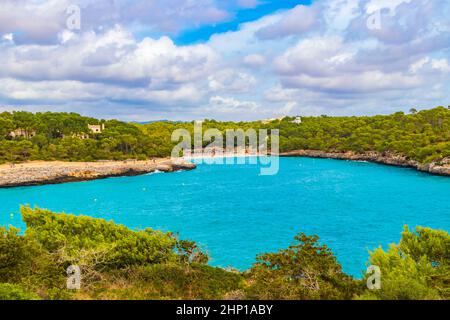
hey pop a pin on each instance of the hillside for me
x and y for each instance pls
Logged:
(421, 136)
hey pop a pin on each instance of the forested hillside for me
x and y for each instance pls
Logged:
(66, 136)
(422, 136)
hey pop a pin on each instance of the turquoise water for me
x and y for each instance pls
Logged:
(235, 213)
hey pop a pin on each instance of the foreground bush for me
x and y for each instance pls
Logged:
(109, 244)
(166, 281)
(15, 292)
(113, 259)
(417, 268)
(117, 263)
(17, 255)
(304, 271)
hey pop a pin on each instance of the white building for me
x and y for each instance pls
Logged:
(96, 128)
(22, 133)
(297, 120)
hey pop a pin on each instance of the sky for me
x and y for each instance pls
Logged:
(143, 60)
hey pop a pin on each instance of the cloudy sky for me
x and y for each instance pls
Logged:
(225, 59)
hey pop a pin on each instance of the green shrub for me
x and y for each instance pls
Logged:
(15, 292)
(168, 281)
(118, 263)
(416, 269)
(81, 239)
(17, 255)
(304, 271)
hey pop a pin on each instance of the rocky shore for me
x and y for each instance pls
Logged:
(442, 168)
(52, 172)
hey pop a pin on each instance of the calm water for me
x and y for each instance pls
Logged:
(235, 214)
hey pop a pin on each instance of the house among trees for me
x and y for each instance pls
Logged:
(82, 136)
(298, 120)
(96, 128)
(19, 132)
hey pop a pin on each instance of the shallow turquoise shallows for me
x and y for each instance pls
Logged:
(235, 213)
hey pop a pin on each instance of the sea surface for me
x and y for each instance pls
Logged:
(236, 213)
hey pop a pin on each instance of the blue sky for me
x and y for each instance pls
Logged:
(229, 60)
(238, 16)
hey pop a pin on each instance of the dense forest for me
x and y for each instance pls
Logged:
(117, 263)
(423, 136)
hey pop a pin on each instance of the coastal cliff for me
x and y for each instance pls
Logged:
(53, 172)
(442, 168)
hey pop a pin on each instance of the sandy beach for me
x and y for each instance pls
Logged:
(51, 172)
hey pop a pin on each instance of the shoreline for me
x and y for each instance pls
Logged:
(37, 173)
(439, 169)
(208, 156)
(372, 157)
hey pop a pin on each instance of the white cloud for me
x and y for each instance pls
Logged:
(255, 60)
(288, 108)
(42, 21)
(231, 105)
(8, 37)
(391, 5)
(365, 82)
(230, 80)
(339, 13)
(418, 65)
(56, 92)
(295, 22)
(280, 94)
(110, 57)
(248, 3)
(441, 65)
(428, 65)
(319, 59)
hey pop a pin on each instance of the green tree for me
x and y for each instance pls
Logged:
(15, 292)
(417, 268)
(306, 270)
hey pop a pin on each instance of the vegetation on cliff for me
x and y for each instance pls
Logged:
(423, 136)
(118, 263)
